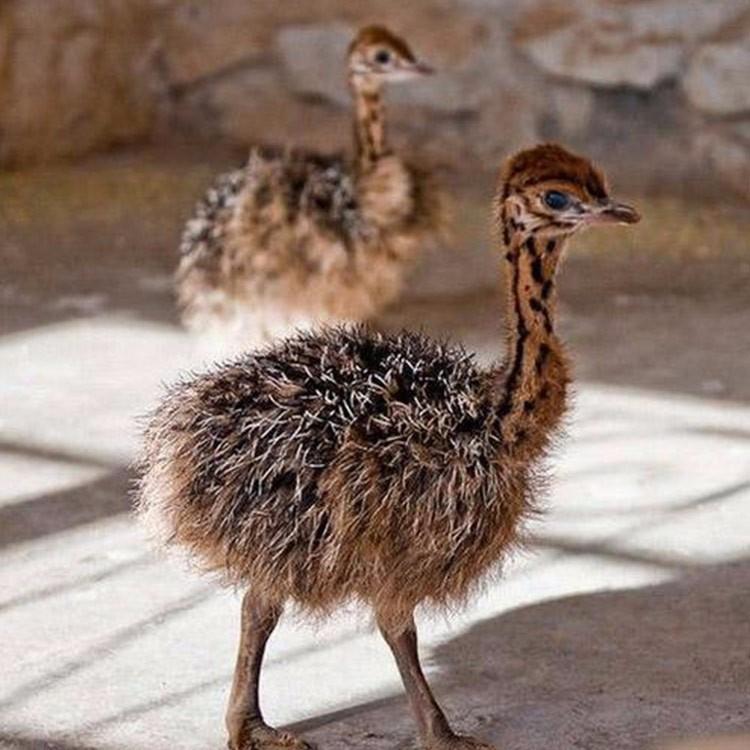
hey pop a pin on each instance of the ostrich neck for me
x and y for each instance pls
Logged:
(531, 400)
(369, 124)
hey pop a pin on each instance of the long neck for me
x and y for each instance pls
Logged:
(369, 123)
(531, 400)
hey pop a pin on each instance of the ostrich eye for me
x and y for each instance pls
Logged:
(556, 200)
(382, 56)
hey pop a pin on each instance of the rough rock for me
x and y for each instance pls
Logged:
(201, 39)
(687, 20)
(638, 44)
(741, 130)
(717, 78)
(616, 78)
(577, 54)
(313, 59)
(726, 153)
(573, 107)
(252, 106)
(77, 79)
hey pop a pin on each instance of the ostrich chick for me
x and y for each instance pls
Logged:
(391, 470)
(296, 238)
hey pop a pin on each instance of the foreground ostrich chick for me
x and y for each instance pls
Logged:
(350, 465)
(296, 238)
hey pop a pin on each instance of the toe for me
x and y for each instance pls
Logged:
(460, 742)
(290, 741)
(267, 738)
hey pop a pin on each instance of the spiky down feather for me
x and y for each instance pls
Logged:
(340, 465)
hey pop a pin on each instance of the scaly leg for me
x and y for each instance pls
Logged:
(434, 729)
(247, 729)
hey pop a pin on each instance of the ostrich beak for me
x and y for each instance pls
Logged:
(615, 213)
(422, 68)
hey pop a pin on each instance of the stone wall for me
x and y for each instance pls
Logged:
(75, 75)
(659, 87)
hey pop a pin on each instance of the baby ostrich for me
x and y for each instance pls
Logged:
(351, 465)
(295, 237)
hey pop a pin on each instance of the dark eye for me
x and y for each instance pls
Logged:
(556, 200)
(382, 56)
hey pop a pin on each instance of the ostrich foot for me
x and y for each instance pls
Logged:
(263, 737)
(457, 742)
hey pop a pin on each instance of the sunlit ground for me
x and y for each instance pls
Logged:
(624, 624)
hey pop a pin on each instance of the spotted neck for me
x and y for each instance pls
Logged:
(531, 400)
(369, 123)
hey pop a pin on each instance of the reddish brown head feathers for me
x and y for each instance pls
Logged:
(549, 191)
(550, 162)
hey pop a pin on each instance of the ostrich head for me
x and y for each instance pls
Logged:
(549, 192)
(377, 55)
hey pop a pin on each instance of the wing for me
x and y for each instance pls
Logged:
(203, 235)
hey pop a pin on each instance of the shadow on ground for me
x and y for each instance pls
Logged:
(66, 509)
(621, 670)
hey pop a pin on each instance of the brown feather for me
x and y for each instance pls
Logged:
(549, 162)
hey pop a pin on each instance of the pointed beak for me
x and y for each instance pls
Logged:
(422, 68)
(614, 213)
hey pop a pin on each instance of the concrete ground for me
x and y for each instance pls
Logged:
(626, 624)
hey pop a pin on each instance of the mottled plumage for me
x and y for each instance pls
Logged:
(392, 470)
(296, 237)
(271, 469)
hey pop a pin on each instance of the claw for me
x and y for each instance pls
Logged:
(268, 738)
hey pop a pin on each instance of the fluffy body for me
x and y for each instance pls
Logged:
(341, 465)
(295, 237)
(351, 465)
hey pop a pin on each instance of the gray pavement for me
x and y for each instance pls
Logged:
(625, 625)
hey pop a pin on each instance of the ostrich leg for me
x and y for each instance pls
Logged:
(244, 720)
(434, 729)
